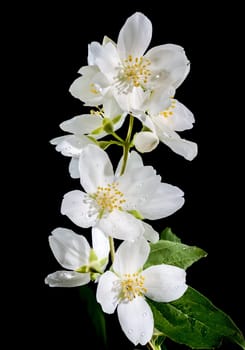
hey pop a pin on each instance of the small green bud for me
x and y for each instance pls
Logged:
(108, 125)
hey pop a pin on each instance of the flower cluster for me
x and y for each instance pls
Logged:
(123, 81)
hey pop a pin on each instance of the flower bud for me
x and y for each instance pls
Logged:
(145, 141)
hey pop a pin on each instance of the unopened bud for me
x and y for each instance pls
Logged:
(145, 141)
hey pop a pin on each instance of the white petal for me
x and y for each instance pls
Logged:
(77, 207)
(136, 320)
(107, 60)
(95, 168)
(88, 87)
(58, 140)
(182, 118)
(73, 168)
(106, 40)
(111, 108)
(135, 36)
(187, 149)
(71, 250)
(118, 124)
(94, 49)
(121, 225)
(71, 145)
(135, 171)
(134, 162)
(150, 234)
(145, 119)
(131, 256)
(138, 186)
(82, 124)
(145, 141)
(100, 243)
(169, 63)
(131, 100)
(164, 283)
(160, 99)
(67, 279)
(166, 200)
(108, 292)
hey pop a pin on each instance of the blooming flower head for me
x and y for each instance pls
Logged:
(124, 71)
(127, 284)
(74, 253)
(115, 203)
(163, 127)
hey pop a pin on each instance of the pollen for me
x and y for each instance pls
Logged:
(132, 286)
(109, 198)
(99, 112)
(170, 111)
(93, 89)
(133, 72)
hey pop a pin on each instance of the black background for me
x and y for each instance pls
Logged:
(50, 45)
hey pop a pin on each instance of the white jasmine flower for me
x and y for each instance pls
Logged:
(123, 70)
(74, 253)
(164, 126)
(115, 203)
(126, 286)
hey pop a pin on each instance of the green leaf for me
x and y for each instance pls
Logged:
(168, 235)
(173, 253)
(94, 311)
(194, 321)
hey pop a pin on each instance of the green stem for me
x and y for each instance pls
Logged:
(150, 346)
(112, 248)
(126, 146)
(111, 142)
(117, 137)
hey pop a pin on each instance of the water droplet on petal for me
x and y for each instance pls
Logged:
(144, 314)
(130, 331)
(142, 334)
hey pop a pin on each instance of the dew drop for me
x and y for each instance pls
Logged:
(144, 314)
(130, 331)
(142, 334)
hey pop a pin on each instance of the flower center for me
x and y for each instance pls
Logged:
(133, 72)
(93, 89)
(108, 198)
(132, 286)
(168, 112)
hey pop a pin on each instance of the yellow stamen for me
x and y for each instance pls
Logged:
(134, 71)
(93, 89)
(169, 111)
(109, 198)
(132, 286)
